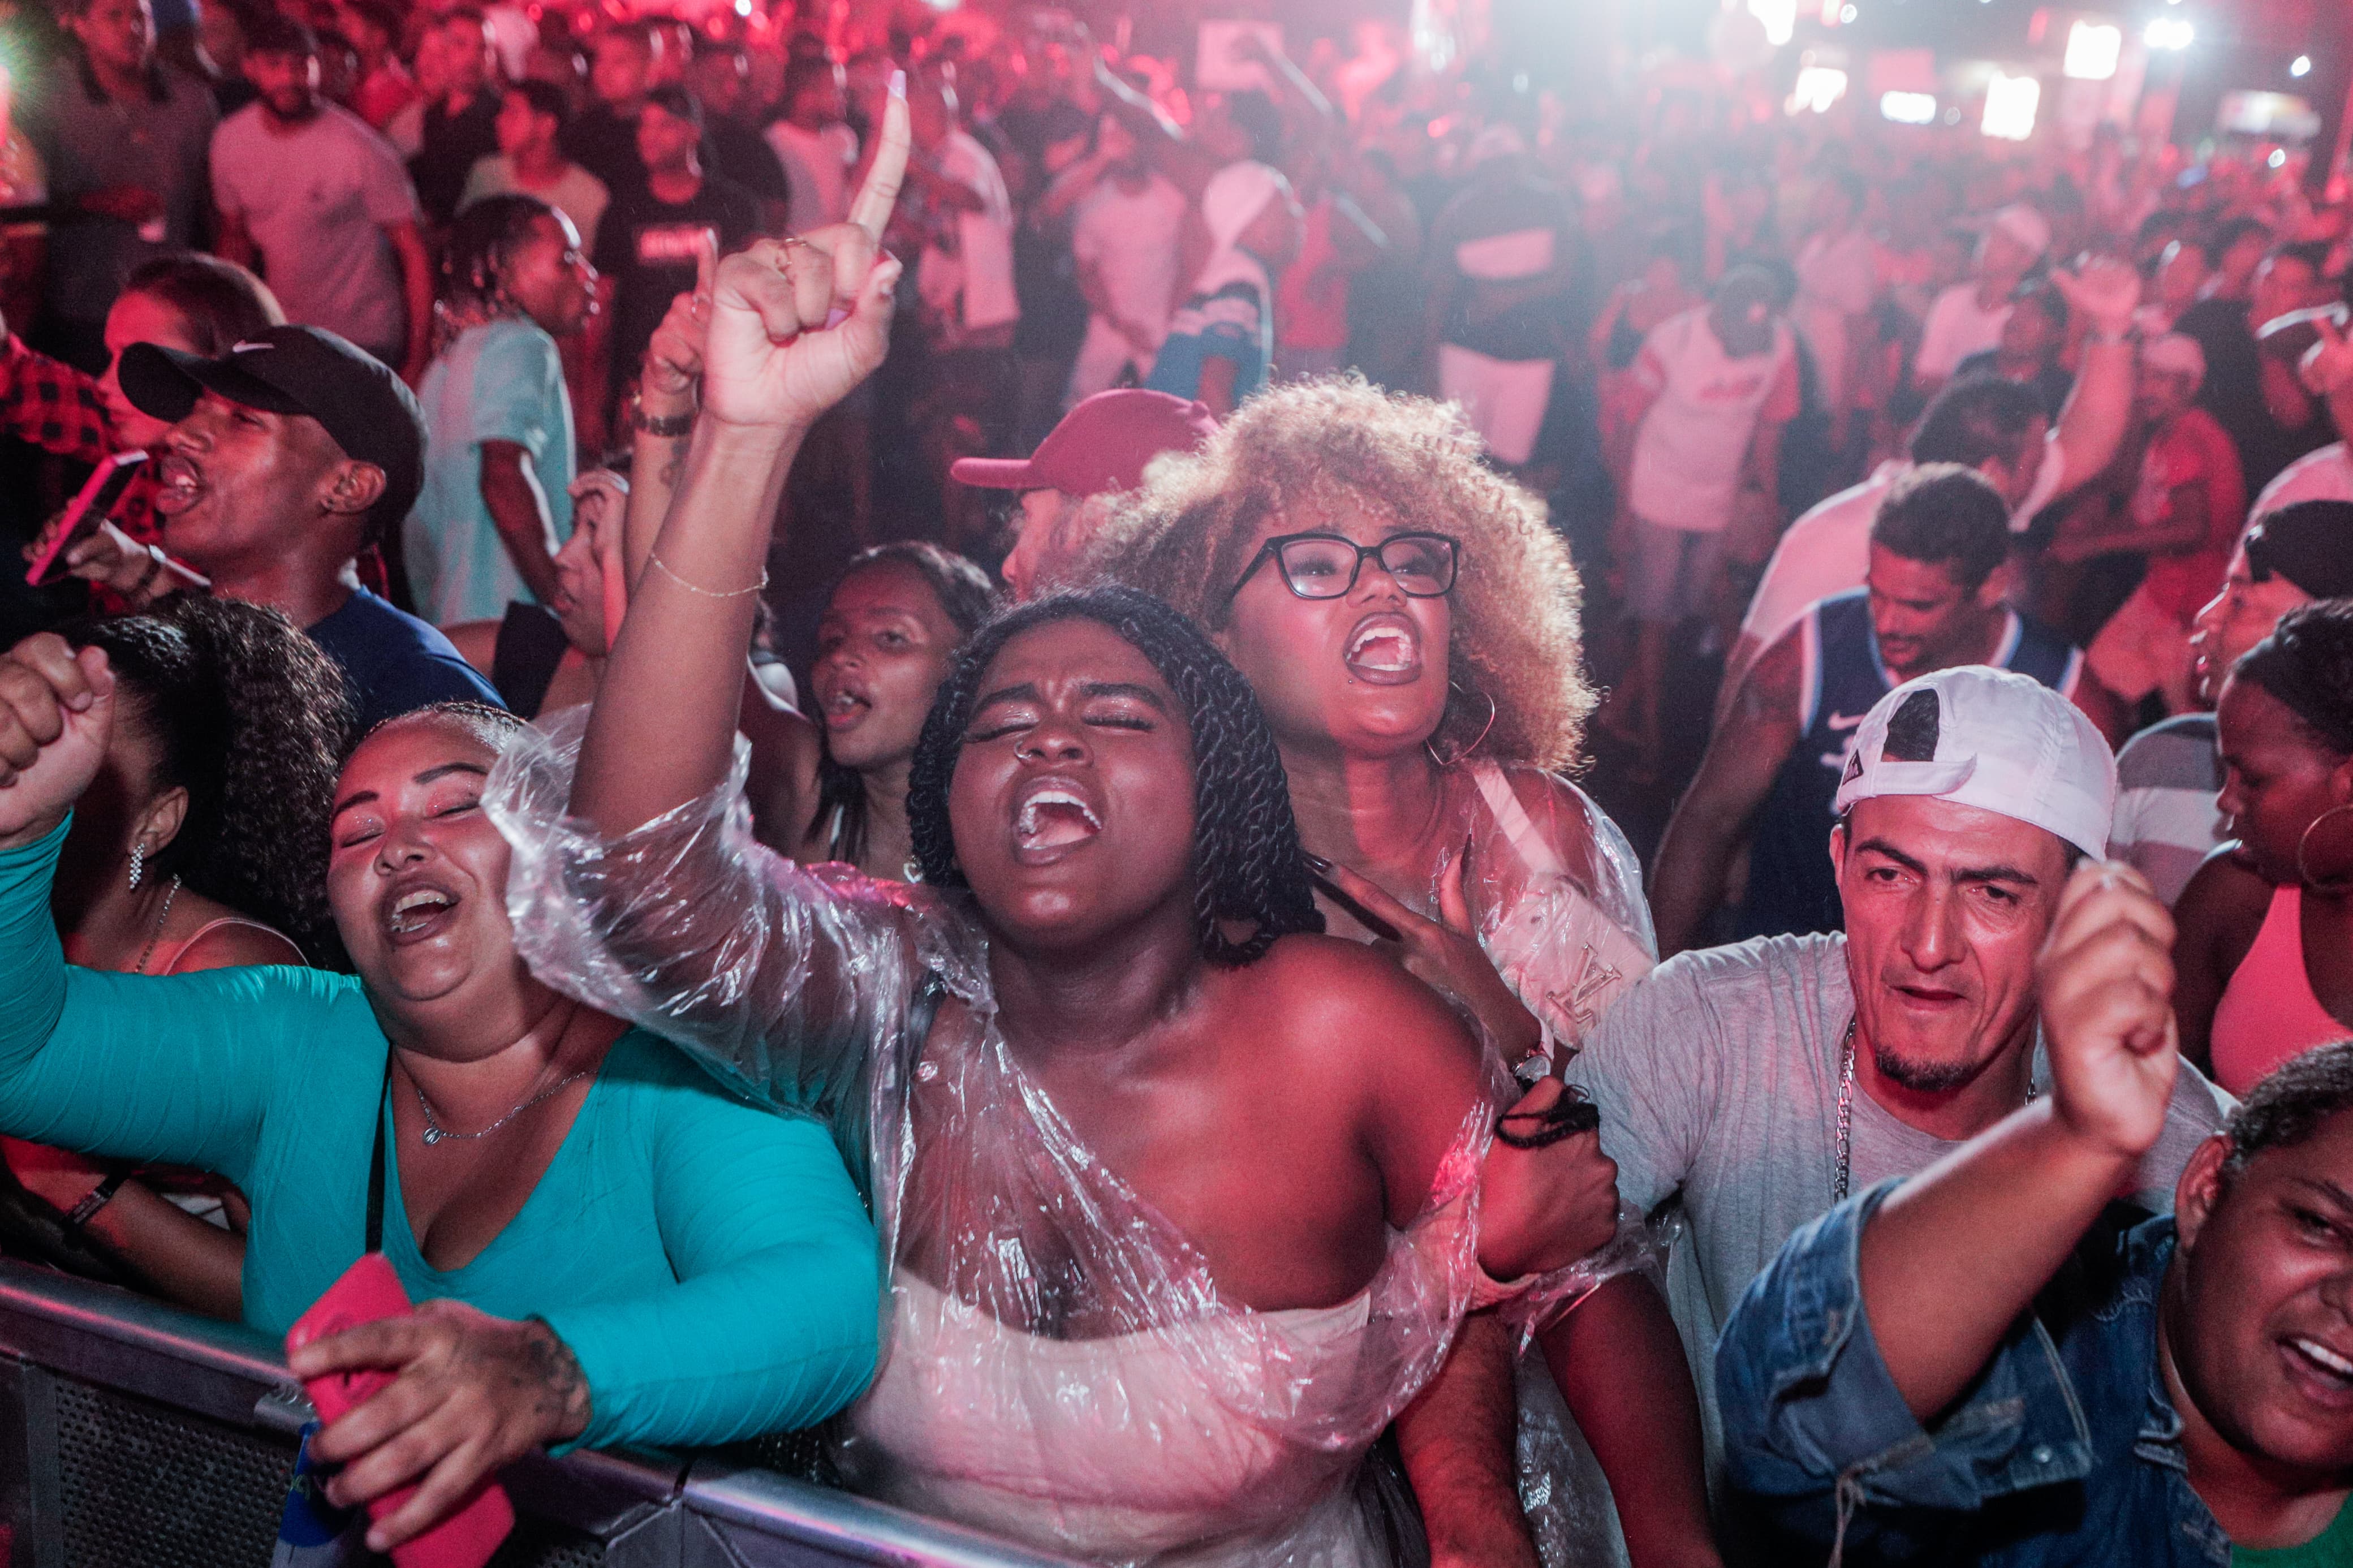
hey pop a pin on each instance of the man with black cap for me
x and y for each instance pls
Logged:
(286, 456)
(2169, 775)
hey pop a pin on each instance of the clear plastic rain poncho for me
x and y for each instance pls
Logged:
(1059, 1367)
(1556, 894)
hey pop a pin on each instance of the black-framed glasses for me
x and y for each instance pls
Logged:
(1325, 565)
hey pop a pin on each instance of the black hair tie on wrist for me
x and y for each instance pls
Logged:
(1567, 1117)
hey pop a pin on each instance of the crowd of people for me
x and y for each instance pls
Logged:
(892, 706)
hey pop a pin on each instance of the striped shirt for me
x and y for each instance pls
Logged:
(2167, 820)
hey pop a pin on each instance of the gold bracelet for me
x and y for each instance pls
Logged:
(660, 565)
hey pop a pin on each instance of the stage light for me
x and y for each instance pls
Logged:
(1908, 108)
(1779, 17)
(2010, 106)
(1818, 87)
(2278, 160)
(2301, 66)
(2166, 33)
(1847, 13)
(2093, 49)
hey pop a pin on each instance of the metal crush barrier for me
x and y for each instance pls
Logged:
(136, 1436)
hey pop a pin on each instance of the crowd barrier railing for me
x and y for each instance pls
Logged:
(134, 1435)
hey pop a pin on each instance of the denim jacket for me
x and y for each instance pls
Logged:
(2066, 1450)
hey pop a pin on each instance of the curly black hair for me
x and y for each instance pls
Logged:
(249, 716)
(967, 597)
(2293, 1101)
(1248, 866)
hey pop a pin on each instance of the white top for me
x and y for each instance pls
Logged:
(816, 172)
(1131, 242)
(1693, 442)
(1827, 551)
(576, 193)
(317, 200)
(1837, 277)
(1955, 329)
(972, 284)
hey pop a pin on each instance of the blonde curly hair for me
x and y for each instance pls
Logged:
(1190, 531)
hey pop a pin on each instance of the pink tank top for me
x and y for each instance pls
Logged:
(2268, 1012)
(165, 959)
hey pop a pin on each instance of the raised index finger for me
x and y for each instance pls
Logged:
(706, 264)
(879, 193)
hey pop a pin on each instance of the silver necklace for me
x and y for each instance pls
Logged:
(157, 934)
(435, 1131)
(1846, 1110)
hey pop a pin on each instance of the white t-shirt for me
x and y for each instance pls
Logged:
(1689, 453)
(1837, 277)
(1131, 241)
(317, 200)
(1827, 551)
(2323, 475)
(1956, 327)
(972, 284)
(576, 193)
(816, 172)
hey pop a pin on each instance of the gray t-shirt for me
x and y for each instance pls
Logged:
(92, 142)
(317, 200)
(1717, 1076)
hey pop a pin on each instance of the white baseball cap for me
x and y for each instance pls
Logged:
(2024, 224)
(1988, 738)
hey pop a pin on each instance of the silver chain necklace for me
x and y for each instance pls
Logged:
(435, 1131)
(1846, 1110)
(156, 935)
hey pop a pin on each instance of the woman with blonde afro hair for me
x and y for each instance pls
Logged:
(1410, 621)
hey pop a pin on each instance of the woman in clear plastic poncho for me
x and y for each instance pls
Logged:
(1409, 619)
(1179, 1208)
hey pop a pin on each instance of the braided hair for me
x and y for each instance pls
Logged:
(483, 243)
(1248, 864)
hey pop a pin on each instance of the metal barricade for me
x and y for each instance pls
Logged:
(136, 1436)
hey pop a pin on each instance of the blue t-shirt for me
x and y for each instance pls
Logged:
(502, 381)
(1231, 322)
(394, 663)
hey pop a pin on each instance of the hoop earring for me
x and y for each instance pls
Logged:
(138, 863)
(1461, 752)
(2304, 871)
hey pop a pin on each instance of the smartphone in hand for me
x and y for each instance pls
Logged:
(87, 511)
(368, 1293)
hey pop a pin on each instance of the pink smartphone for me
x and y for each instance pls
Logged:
(368, 1293)
(87, 509)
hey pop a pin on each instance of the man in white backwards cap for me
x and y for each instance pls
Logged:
(1220, 342)
(1760, 1083)
(1967, 318)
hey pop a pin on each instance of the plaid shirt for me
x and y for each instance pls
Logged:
(56, 408)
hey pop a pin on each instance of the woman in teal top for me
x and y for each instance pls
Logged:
(620, 1250)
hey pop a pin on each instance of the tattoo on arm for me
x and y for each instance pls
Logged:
(555, 1382)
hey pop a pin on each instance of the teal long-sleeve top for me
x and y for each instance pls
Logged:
(708, 1260)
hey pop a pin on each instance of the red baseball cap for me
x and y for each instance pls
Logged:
(1100, 445)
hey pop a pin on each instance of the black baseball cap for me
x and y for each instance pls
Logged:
(368, 410)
